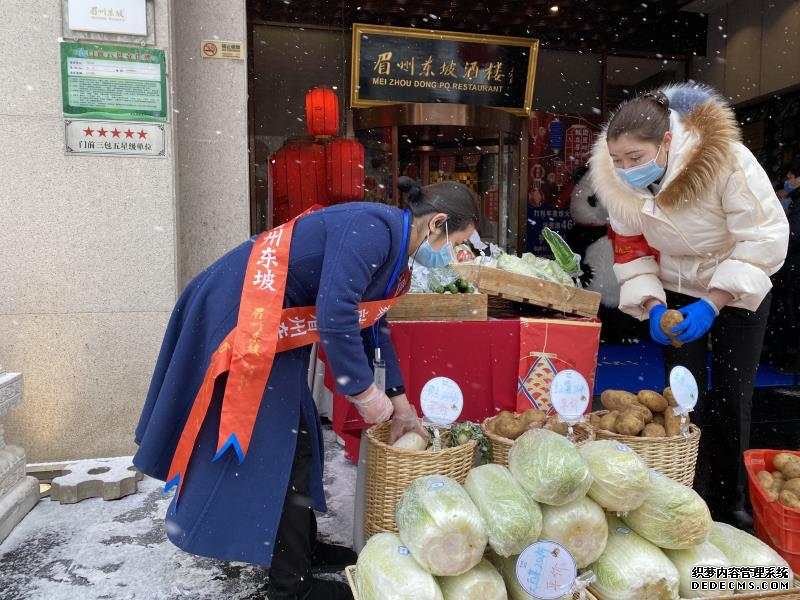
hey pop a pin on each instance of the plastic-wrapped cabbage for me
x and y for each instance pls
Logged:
(631, 568)
(549, 467)
(672, 516)
(441, 526)
(386, 571)
(482, 582)
(579, 526)
(744, 550)
(513, 519)
(620, 478)
(703, 555)
(534, 266)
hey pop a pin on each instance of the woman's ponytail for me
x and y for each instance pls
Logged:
(454, 199)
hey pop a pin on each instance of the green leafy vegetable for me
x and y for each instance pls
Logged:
(461, 433)
(564, 255)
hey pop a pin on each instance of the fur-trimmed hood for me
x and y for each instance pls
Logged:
(704, 131)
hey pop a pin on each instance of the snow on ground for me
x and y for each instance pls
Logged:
(118, 550)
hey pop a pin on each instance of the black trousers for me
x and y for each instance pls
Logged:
(290, 573)
(724, 411)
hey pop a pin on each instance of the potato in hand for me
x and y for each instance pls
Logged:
(669, 321)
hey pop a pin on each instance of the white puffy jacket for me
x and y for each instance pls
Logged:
(715, 222)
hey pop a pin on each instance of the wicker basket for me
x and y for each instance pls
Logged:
(350, 573)
(502, 445)
(675, 457)
(390, 471)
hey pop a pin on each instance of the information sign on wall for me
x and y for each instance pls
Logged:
(111, 82)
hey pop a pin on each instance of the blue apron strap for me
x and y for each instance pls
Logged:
(399, 266)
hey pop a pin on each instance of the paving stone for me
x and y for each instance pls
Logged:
(107, 478)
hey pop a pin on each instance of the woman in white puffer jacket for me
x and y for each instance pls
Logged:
(697, 226)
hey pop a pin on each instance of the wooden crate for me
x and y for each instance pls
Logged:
(792, 594)
(531, 290)
(440, 307)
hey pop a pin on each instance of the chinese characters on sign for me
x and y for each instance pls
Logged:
(218, 49)
(405, 65)
(569, 395)
(442, 401)
(124, 83)
(128, 17)
(112, 138)
(546, 570)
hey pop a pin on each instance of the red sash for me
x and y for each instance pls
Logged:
(247, 353)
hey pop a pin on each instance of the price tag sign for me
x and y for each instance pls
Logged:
(569, 395)
(684, 388)
(546, 570)
(442, 401)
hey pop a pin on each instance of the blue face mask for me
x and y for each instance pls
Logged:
(788, 187)
(428, 257)
(641, 176)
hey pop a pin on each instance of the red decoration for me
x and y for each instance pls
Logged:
(298, 178)
(322, 112)
(345, 168)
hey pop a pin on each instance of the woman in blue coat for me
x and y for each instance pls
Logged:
(250, 496)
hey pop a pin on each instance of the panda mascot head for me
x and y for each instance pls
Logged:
(589, 238)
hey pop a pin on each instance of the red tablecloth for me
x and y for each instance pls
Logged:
(482, 357)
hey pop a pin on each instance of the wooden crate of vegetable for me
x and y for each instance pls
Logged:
(793, 594)
(350, 573)
(440, 307)
(530, 290)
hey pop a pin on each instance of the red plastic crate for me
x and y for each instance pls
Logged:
(792, 558)
(775, 524)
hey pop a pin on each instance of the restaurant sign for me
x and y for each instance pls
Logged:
(392, 65)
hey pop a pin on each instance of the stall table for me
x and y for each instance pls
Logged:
(481, 356)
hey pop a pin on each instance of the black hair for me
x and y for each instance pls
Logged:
(454, 199)
(645, 117)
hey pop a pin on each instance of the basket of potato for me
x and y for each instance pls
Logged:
(505, 427)
(648, 424)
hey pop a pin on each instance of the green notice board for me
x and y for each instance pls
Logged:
(120, 83)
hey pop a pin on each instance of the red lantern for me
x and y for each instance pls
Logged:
(322, 112)
(298, 178)
(345, 167)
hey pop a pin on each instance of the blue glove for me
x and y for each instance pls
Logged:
(655, 325)
(698, 317)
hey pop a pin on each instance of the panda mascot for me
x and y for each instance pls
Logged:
(589, 238)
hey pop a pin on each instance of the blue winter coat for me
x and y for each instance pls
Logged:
(338, 256)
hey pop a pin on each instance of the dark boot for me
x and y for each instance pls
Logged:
(314, 589)
(330, 558)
